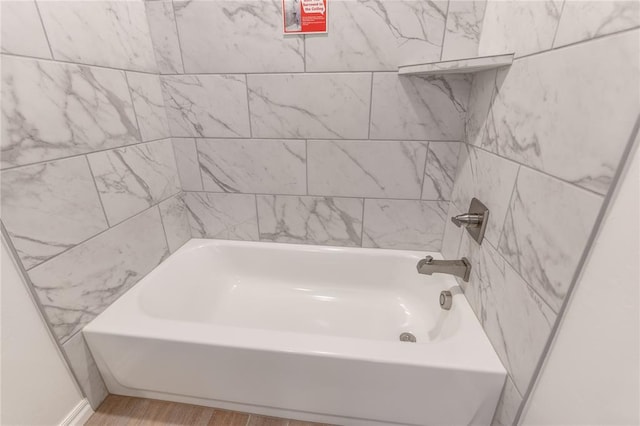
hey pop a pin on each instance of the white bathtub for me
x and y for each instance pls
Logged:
(303, 332)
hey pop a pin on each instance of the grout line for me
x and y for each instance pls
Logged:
(537, 170)
(555, 34)
(513, 382)
(304, 52)
(480, 23)
(66, 340)
(255, 200)
(400, 140)
(83, 154)
(306, 163)
(364, 200)
(95, 185)
(517, 271)
(44, 30)
(502, 395)
(393, 71)
(577, 43)
(133, 105)
(85, 64)
(153, 43)
(504, 219)
(164, 229)
(148, 208)
(364, 71)
(175, 22)
(82, 64)
(608, 199)
(444, 32)
(175, 159)
(246, 87)
(370, 107)
(101, 232)
(349, 197)
(424, 170)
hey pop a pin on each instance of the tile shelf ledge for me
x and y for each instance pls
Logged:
(457, 66)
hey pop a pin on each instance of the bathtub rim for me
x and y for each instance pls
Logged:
(470, 350)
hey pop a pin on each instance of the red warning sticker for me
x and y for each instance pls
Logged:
(304, 16)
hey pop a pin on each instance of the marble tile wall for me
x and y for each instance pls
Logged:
(544, 139)
(112, 109)
(90, 193)
(109, 33)
(464, 27)
(315, 139)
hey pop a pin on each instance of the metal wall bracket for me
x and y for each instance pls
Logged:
(475, 221)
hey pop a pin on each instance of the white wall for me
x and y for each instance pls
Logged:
(37, 387)
(591, 375)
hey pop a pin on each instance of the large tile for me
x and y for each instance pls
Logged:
(148, 103)
(383, 169)
(253, 165)
(516, 320)
(480, 97)
(223, 216)
(246, 33)
(404, 224)
(207, 105)
(378, 36)
(164, 36)
(464, 26)
(419, 108)
(572, 104)
(187, 163)
(22, 32)
(310, 105)
(310, 220)
(134, 178)
(583, 20)
(109, 33)
(520, 27)
(508, 406)
(85, 369)
(440, 170)
(52, 110)
(48, 208)
(546, 230)
(488, 178)
(175, 220)
(79, 284)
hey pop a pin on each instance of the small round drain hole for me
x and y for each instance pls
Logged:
(407, 337)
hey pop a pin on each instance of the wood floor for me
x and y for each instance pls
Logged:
(124, 410)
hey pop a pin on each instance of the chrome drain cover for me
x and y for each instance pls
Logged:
(407, 337)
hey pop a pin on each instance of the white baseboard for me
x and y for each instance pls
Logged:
(79, 415)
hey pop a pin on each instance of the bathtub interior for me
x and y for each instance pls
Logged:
(366, 294)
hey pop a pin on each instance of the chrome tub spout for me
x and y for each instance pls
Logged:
(460, 268)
